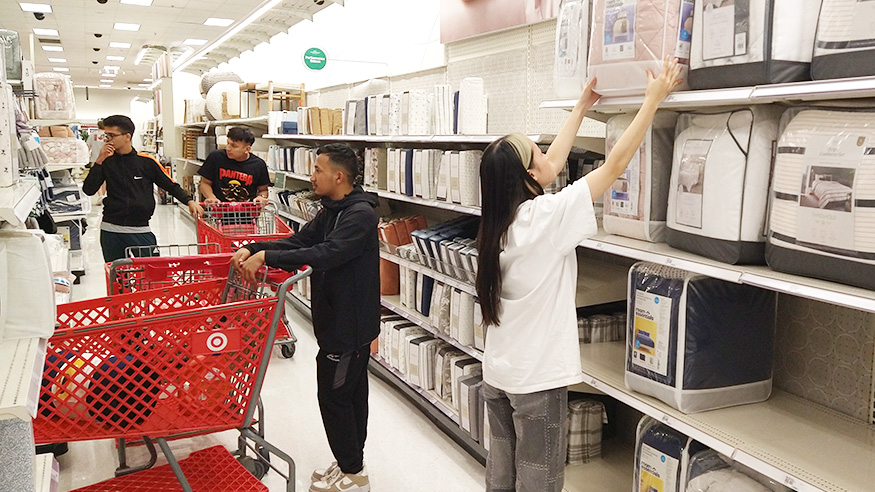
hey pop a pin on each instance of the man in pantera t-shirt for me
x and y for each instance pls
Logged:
(234, 174)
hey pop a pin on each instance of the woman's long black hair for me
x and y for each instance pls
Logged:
(504, 185)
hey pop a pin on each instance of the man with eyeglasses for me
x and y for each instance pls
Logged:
(130, 202)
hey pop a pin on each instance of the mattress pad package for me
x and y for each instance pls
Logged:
(695, 342)
(751, 42)
(845, 41)
(628, 37)
(635, 205)
(710, 471)
(662, 456)
(572, 47)
(719, 183)
(55, 101)
(823, 197)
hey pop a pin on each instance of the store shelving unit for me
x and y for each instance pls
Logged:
(258, 121)
(63, 166)
(18, 200)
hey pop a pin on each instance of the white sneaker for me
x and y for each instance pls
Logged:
(320, 474)
(343, 482)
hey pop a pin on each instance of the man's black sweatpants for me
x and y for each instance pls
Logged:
(342, 381)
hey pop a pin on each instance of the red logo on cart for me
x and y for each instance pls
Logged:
(215, 342)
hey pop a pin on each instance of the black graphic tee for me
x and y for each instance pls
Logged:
(235, 181)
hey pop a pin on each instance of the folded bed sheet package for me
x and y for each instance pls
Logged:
(628, 37)
(751, 42)
(845, 42)
(710, 471)
(55, 101)
(635, 205)
(662, 456)
(719, 183)
(823, 197)
(695, 342)
(572, 48)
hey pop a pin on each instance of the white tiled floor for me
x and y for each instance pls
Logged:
(405, 451)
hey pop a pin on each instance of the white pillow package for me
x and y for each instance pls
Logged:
(572, 47)
(29, 297)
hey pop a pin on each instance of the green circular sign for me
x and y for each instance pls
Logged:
(315, 59)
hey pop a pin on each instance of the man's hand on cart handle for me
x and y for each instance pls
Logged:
(250, 266)
(210, 200)
(195, 209)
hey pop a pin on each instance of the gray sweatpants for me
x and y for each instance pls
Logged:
(528, 440)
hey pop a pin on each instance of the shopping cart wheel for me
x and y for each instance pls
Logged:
(254, 466)
(287, 350)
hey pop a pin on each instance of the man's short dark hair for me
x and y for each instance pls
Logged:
(344, 157)
(121, 122)
(241, 134)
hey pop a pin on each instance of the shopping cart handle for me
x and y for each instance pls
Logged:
(287, 283)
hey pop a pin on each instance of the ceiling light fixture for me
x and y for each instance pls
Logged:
(184, 56)
(115, 58)
(141, 3)
(108, 74)
(147, 80)
(36, 7)
(116, 44)
(61, 69)
(52, 48)
(195, 42)
(218, 22)
(58, 60)
(105, 86)
(111, 68)
(107, 81)
(45, 32)
(140, 55)
(123, 26)
(231, 32)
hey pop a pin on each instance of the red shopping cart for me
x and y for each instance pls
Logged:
(164, 363)
(235, 224)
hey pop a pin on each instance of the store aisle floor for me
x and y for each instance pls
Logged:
(405, 452)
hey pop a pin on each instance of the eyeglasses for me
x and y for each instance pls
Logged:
(110, 136)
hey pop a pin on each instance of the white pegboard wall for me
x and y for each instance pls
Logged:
(425, 80)
(824, 353)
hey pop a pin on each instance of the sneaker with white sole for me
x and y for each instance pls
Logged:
(343, 482)
(320, 474)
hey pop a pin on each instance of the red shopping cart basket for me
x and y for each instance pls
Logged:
(162, 363)
(235, 224)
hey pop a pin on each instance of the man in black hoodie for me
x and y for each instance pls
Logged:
(341, 246)
(129, 177)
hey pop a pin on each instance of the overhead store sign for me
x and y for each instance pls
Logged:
(315, 59)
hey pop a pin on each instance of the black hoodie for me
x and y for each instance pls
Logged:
(341, 246)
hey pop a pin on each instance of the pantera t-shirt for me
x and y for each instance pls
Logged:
(235, 181)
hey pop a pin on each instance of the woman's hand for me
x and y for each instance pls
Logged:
(588, 97)
(658, 87)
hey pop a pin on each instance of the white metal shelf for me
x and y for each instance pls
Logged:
(425, 394)
(260, 121)
(300, 177)
(22, 368)
(394, 303)
(438, 276)
(760, 276)
(291, 216)
(819, 90)
(190, 161)
(613, 471)
(63, 166)
(792, 440)
(17, 201)
(455, 207)
(594, 142)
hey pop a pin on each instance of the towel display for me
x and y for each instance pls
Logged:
(635, 205)
(719, 183)
(824, 229)
(572, 47)
(750, 42)
(628, 37)
(56, 100)
(585, 420)
(698, 343)
(11, 53)
(845, 42)
(710, 471)
(662, 456)
(27, 293)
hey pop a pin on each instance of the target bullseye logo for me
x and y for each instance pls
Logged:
(217, 342)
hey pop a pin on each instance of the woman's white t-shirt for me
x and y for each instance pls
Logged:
(535, 348)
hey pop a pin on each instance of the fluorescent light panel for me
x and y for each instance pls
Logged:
(195, 42)
(115, 58)
(218, 22)
(61, 69)
(52, 48)
(112, 68)
(105, 86)
(36, 7)
(147, 80)
(141, 3)
(140, 55)
(123, 26)
(107, 75)
(107, 81)
(58, 60)
(116, 44)
(45, 32)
